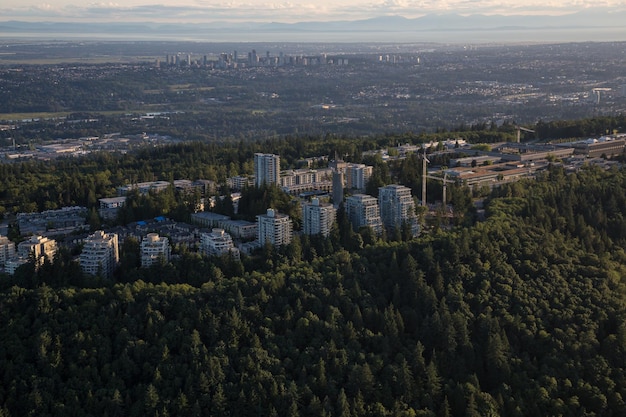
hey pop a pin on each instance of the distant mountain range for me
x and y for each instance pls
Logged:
(580, 26)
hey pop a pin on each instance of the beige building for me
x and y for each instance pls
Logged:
(37, 249)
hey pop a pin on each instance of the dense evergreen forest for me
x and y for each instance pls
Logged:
(520, 314)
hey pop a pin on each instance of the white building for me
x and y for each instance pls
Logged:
(153, 249)
(37, 249)
(100, 254)
(363, 211)
(397, 207)
(266, 169)
(274, 228)
(218, 243)
(317, 217)
(7, 250)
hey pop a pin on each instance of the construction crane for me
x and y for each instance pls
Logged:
(445, 182)
(424, 162)
(519, 130)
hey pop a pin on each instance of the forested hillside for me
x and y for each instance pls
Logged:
(521, 314)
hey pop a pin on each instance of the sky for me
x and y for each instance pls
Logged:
(198, 11)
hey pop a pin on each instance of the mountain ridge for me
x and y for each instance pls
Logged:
(591, 22)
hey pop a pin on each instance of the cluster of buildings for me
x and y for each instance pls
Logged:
(338, 174)
(53, 222)
(37, 249)
(110, 142)
(222, 235)
(251, 59)
(393, 209)
(99, 255)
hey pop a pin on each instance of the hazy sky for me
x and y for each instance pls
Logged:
(279, 11)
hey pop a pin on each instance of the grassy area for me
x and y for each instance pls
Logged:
(55, 115)
(37, 115)
(107, 59)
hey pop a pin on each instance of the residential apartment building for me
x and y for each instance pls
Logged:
(7, 250)
(63, 220)
(239, 183)
(100, 254)
(110, 207)
(301, 180)
(218, 243)
(363, 211)
(357, 176)
(397, 207)
(274, 228)
(143, 187)
(153, 249)
(266, 169)
(317, 217)
(37, 248)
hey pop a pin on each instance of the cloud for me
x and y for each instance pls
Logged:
(199, 11)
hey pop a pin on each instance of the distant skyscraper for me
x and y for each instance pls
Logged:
(317, 218)
(397, 207)
(274, 228)
(362, 210)
(266, 168)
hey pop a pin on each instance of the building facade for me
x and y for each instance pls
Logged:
(338, 182)
(153, 249)
(218, 243)
(7, 250)
(317, 218)
(397, 207)
(363, 211)
(100, 254)
(274, 228)
(37, 249)
(266, 169)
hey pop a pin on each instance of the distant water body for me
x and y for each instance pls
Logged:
(544, 35)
